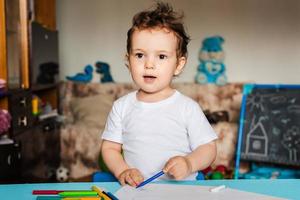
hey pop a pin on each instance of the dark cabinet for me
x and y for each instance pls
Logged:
(10, 162)
(40, 150)
(37, 140)
(20, 108)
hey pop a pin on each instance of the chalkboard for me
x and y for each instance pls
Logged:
(270, 125)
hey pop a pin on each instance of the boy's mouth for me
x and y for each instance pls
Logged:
(149, 78)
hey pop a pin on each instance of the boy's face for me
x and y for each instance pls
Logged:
(153, 59)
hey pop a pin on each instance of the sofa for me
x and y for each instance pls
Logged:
(86, 106)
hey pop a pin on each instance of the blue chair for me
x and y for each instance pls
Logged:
(103, 177)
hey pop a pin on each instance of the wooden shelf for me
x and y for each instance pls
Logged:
(15, 46)
(38, 88)
(3, 103)
(48, 93)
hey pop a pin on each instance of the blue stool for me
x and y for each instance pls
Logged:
(103, 177)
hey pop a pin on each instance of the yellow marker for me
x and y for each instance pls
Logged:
(100, 192)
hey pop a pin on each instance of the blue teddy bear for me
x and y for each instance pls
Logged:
(211, 68)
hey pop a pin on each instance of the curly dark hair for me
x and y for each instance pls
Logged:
(163, 16)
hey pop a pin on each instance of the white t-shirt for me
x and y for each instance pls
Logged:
(152, 133)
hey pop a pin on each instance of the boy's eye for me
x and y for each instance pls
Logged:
(161, 56)
(139, 55)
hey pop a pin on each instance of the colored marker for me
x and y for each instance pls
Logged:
(51, 192)
(113, 197)
(78, 193)
(48, 198)
(100, 192)
(150, 179)
(106, 195)
(83, 198)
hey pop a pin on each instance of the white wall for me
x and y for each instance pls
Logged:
(262, 37)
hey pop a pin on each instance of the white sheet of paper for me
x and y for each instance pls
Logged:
(180, 192)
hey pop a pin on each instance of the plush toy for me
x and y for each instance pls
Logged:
(47, 73)
(85, 77)
(216, 173)
(103, 69)
(211, 68)
(5, 120)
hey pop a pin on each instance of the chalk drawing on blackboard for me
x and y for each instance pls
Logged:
(294, 109)
(255, 102)
(293, 100)
(285, 120)
(276, 112)
(278, 99)
(257, 139)
(276, 131)
(291, 141)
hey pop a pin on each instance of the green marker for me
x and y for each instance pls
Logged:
(48, 198)
(78, 194)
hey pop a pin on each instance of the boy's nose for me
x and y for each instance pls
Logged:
(149, 64)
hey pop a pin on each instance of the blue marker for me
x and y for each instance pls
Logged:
(150, 179)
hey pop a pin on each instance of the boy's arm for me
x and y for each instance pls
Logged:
(180, 167)
(203, 156)
(112, 156)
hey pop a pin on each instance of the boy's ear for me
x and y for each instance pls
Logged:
(180, 65)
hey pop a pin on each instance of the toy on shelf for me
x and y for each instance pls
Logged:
(267, 172)
(47, 73)
(5, 119)
(217, 173)
(104, 70)
(35, 104)
(85, 77)
(211, 56)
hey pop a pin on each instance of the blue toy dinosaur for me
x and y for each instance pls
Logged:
(103, 69)
(85, 77)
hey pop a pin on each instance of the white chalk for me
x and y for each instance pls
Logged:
(217, 189)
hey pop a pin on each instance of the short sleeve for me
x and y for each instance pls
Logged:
(113, 126)
(199, 129)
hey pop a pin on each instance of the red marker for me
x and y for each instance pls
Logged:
(46, 192)
(50, 192)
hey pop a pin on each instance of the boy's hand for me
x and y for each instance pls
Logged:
(178, 167)
(132, 177)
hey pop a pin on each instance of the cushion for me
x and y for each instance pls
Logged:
(92, 110)
(226, 142)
